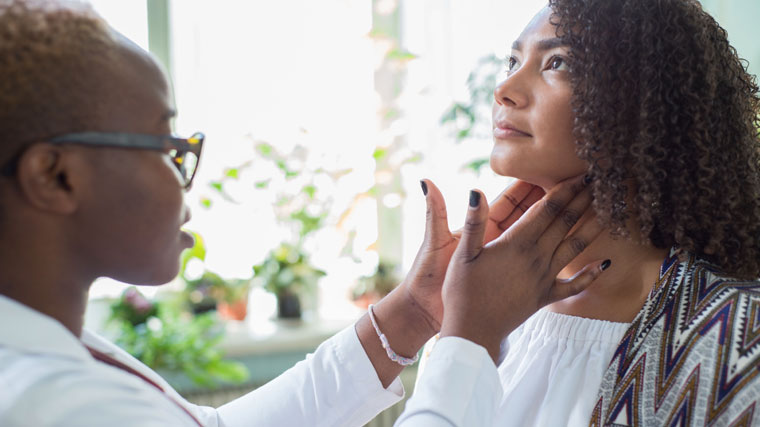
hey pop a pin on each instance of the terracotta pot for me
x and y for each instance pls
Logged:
(233, 311)
(364, 300)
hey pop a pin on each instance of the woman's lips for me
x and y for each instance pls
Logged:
(503, 130)
(503, 133)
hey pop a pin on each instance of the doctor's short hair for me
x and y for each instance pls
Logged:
(49, 52)
(665, 109)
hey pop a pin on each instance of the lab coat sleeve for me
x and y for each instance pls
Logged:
(459, 387)
(335, 386)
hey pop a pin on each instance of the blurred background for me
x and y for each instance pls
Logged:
(320, 120)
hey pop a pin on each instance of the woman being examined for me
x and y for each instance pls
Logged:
(649, 99)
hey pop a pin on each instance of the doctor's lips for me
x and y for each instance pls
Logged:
(504, 129)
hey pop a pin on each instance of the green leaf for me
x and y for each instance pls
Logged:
(476, 165)
(264, 149)
(450, 115)
(198, 251)
(310, 190)
(228, 371)
(233, 173)
(391, 114)
(416, 158)
(379, 33)
(262, 184)
(216, 185)
(400, 55)
(379, 153)
(206, 202)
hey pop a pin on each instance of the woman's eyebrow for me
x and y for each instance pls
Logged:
(545, 44)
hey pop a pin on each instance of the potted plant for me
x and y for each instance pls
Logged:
(211, 291)
(371, 289)
(164, 337)
(287, 273)
(228, 296)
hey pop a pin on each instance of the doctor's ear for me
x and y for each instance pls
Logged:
(45, 173)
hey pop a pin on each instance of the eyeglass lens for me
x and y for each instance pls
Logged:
(186, 162)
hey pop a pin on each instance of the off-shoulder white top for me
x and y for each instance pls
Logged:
(551, 369)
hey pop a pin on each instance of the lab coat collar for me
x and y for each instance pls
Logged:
(35, 332)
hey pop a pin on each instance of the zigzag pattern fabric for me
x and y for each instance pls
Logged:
(692, 355)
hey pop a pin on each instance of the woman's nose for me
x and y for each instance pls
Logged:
(509, 93)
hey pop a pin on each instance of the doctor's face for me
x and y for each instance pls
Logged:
(135, 206)
(532, 117)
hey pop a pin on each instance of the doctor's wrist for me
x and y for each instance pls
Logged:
(405, 324)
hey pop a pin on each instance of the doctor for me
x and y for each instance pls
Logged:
(92, 186)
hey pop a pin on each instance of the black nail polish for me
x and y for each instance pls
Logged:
(423, 184)
(587, 179)
(474, 198)
(606, 264)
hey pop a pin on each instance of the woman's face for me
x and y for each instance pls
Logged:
(532, 118)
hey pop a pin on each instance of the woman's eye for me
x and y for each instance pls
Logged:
(511, 63)
(557, 63)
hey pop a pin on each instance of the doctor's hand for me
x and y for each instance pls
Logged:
(412, 313)
(425, 279)
(491, 289)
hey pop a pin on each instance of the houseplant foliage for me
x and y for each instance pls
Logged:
(471, 120)
(287, 273)
(310, 204)
(162, 336)
(370, 289)
(211, 291)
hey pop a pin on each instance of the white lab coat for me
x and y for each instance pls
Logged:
(48, 378)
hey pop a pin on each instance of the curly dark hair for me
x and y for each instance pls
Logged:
(665, 109)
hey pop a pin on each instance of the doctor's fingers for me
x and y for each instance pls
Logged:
(509, 200)
(565, 288)
(575, 243)
(436, 217)
(536, 193)
(471, 242)
(535, 222)
(564, 222)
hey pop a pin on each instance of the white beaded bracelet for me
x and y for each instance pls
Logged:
(401, 360)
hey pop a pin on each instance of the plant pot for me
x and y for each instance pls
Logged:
(364, 300)
(233, 311)
(288, 306)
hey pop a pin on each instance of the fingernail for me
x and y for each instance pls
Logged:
(423, 184)
(587, 179)
(474, 198)
(606, 264)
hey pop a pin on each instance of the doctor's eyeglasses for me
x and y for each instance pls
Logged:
(185, 152)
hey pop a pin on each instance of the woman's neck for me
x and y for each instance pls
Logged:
(620, 292)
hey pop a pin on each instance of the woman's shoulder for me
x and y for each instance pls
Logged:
(698, 335)
(710, 282)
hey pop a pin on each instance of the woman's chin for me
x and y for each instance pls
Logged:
(535, 179)
(543, 180)
(499, 167)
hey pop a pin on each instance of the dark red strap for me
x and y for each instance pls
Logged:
(116, 364)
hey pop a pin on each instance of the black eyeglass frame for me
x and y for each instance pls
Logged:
(194, 145)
